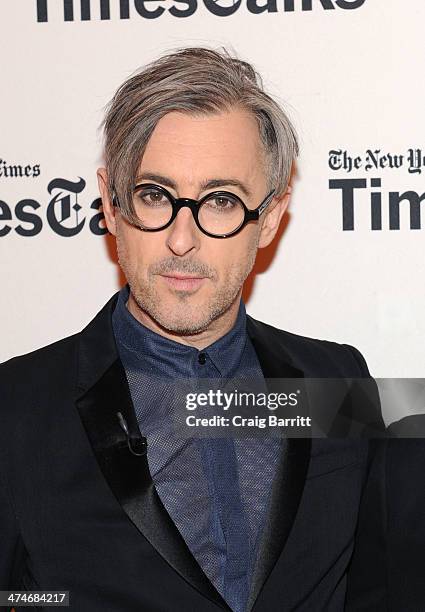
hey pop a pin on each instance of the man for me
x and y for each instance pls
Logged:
(97, 495)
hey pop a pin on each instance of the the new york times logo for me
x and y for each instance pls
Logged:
(63, 214)
(152, 9)
(385, 208)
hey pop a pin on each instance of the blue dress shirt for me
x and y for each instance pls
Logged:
(216, 490)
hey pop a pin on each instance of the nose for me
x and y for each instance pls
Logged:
(183, 236)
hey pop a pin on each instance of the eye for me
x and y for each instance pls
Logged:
(154, 196)
(151, 197)
(221, 203)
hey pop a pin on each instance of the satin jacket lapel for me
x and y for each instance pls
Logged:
(102, 392)
(291, 472)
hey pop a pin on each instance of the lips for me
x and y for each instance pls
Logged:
(182, 282)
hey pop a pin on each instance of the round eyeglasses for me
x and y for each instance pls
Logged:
(219, 214)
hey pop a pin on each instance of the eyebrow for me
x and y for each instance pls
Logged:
(208, 184)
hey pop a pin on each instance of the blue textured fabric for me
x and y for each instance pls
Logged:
(215, 490)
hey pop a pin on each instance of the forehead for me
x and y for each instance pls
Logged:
(196, 147)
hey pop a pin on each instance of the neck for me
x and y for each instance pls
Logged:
(216, 329)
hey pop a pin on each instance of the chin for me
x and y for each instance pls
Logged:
(184, 325)
(182, 314)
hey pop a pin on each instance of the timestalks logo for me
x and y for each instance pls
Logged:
(63, 212)
(186, 8)
(350, 187)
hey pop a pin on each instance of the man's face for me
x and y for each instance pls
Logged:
(181, 279)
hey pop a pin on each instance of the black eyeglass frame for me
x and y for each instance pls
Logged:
(195, 205)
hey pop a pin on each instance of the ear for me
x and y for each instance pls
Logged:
(108, 208)
(273, 217)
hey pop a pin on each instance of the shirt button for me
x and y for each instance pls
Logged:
(202, 358)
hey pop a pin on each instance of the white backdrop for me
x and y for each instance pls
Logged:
(352, 79)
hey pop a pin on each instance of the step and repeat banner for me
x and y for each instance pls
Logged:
(350, 263)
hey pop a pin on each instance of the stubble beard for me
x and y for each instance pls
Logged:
(183, 315)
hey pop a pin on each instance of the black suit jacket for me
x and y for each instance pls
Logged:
(388, 565)
(79, 512)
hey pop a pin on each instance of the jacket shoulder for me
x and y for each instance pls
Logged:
(51, 372)
(48, 357)
(34, 383)
(314, 356)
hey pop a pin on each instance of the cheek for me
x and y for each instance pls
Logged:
(238, 254)
(130, 250)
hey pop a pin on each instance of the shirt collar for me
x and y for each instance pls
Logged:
(225, 353)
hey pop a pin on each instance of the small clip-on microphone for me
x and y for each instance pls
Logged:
(136, 446)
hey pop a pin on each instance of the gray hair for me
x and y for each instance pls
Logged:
(195, 81)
